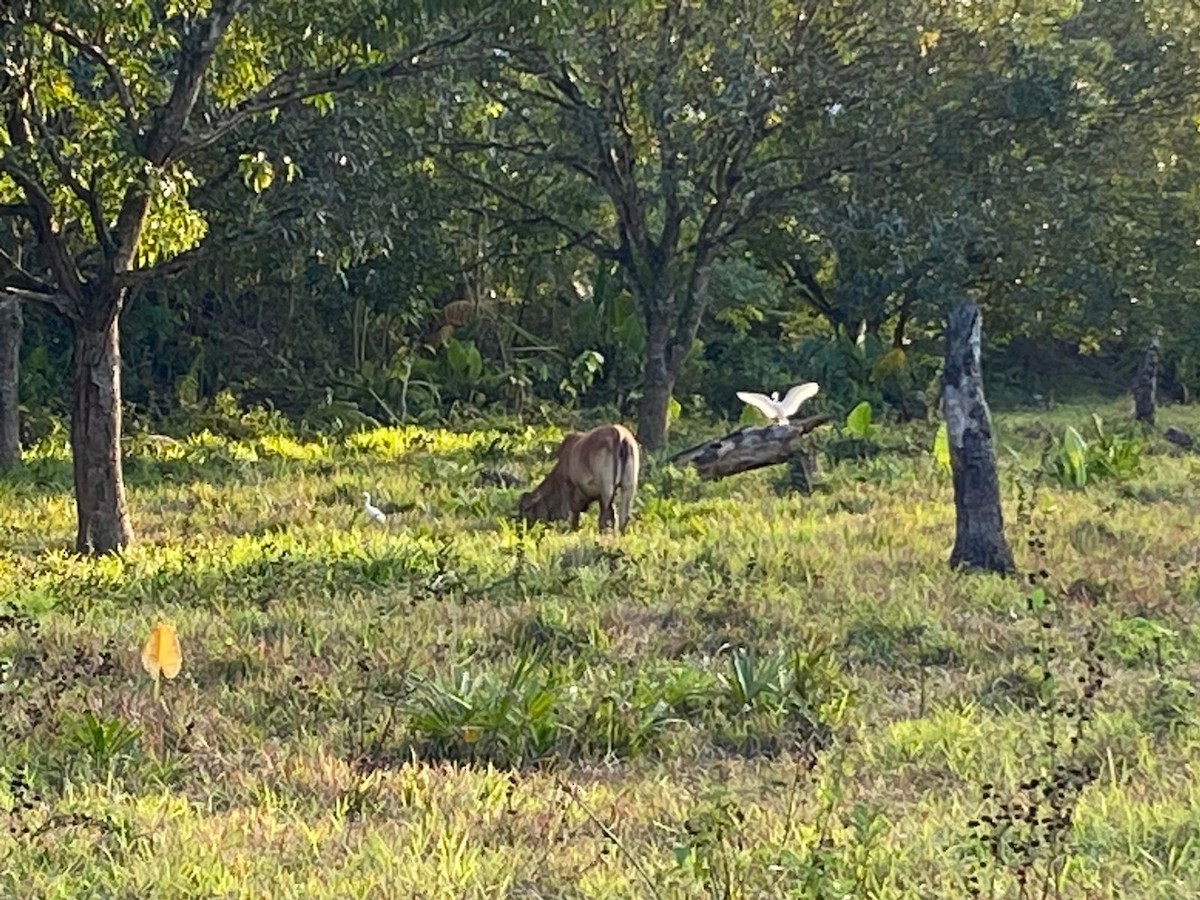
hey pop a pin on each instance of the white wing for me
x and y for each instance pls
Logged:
(761, 402)
(796, 396)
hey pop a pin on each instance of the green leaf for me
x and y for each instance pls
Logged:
(1075, 450)
(474, 362)
(750, 416)
(858, 423)
(1037, 601)
(457, 356)
(673, 410)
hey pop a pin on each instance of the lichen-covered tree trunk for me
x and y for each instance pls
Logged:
(1145, 385)
(104, 524)
(10, 376)
(979, 541)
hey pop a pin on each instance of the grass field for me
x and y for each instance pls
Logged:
(752, 694)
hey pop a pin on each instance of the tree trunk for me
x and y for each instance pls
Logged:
(104, 524)
(10, 372)
(658, 381)
(902, 317)
(979, 541)
(1145, 385)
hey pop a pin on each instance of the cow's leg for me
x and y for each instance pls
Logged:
(622, 515)
(606, 514)
(629, 483)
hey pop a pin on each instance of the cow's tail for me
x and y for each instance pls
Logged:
(620, 462)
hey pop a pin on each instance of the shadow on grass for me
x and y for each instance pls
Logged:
(47, 476)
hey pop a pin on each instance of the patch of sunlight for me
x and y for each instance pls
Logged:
(206, 440)
(398, 440)
(57, 447)
(1149, 821)
(952, 739)
(277, 445)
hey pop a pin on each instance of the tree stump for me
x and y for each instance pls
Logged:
(747, 448)
(979, 541)
(1145, 385)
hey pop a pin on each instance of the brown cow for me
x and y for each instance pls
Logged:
(591, 466)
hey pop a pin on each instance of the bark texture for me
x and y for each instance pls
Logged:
(658, 367)
(104, 524)
(1145, 385)
(10, 376)
(979, 541)
(748, 448)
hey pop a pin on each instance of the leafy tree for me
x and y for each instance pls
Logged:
(655, 135)
(106, 110)
(1055, 189)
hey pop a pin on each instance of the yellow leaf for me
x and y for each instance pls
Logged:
(470, 733)
(161, 653)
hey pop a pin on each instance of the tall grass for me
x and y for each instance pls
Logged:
(754, 693)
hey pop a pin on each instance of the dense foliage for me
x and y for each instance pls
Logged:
(509, 230)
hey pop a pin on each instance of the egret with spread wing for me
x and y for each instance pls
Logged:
(780, 410)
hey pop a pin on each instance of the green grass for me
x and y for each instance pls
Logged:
(751, 694)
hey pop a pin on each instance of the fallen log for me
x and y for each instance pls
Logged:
(748, 448)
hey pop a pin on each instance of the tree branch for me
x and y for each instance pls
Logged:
(56, 302)
(85, 195)
(668, 160)
(181, 262)
(588, 238)
(800, 273)
(764, 202)
(196, 52)
(288, 87)
(538, 150)
(42, 221)
(97, 55)
(15, 275)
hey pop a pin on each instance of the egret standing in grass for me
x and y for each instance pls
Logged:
(778, 410)
(375, 513)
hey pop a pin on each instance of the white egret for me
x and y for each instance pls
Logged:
(780, 410)
(374, 512)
